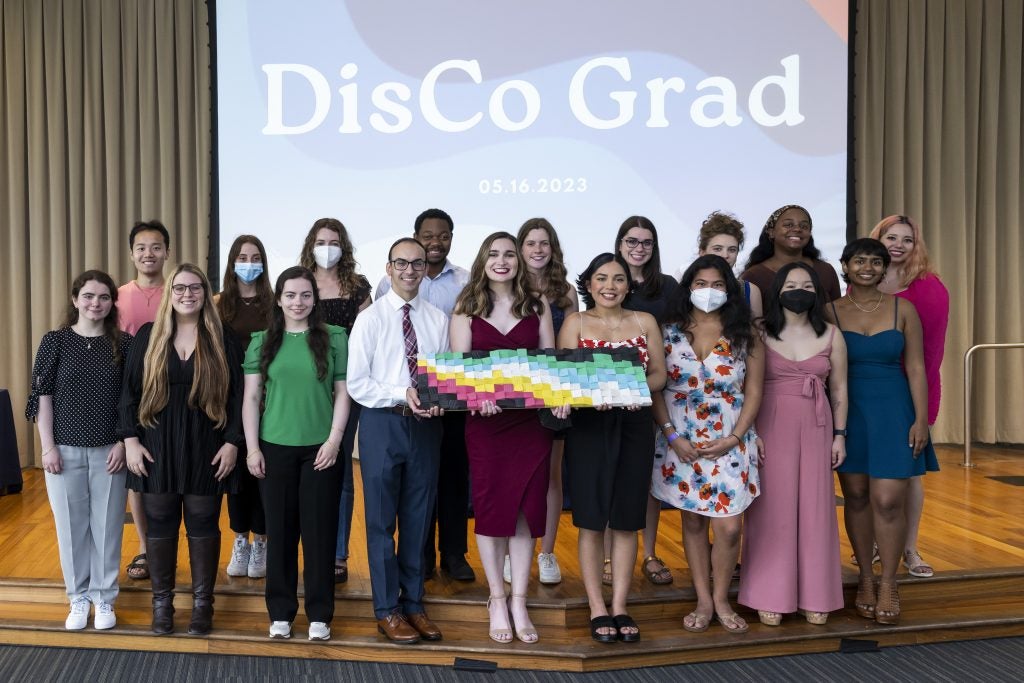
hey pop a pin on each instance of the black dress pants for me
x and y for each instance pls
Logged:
(300, 502)
(452, 510)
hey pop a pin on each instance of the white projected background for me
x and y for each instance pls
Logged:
(583, 112)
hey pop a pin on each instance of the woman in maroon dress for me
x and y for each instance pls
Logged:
(508, 450)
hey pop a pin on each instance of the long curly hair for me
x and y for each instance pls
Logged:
(774, 319)
(765, 248)
(345, 269)
(210, 374)
(554, 283)
(227, 304)
(318, 338)
(651, 271)
(111, 329)
(918, 265)
(477, 300)
(734, 314)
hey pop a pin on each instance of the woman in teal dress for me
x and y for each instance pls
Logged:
(887, 441)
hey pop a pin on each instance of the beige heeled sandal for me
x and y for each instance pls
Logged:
(527, 635)
(499, 635)
(816, 618)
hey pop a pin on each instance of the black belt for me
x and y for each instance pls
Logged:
(404, 411)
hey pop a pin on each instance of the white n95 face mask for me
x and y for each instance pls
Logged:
(708, 299)
(326, 256)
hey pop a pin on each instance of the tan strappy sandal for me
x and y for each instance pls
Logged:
(499, 635)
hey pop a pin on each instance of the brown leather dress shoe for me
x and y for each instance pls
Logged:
(397, 629)
(427, 629)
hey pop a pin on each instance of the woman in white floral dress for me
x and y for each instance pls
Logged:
(705, 456)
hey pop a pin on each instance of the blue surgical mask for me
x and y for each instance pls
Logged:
(248, 272)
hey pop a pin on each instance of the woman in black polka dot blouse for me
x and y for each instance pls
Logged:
(76, 383)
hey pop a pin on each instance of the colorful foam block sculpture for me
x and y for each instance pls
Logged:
(545, 378)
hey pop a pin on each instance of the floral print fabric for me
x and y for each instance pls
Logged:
(704, 399)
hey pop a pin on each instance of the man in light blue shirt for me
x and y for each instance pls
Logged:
(443, 280)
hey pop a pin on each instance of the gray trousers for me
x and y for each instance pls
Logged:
(88, 513)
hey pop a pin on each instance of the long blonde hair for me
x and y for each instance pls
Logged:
(210, 371)
(477, 300)
(918, 265)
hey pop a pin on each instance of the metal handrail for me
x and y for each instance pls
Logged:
(967, 392)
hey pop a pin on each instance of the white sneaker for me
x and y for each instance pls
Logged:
(239, 564)
(318, 630)
(506, 572)
(281, 629)
(78, 617)
(550, 573)
(105, 617)
(258, 559)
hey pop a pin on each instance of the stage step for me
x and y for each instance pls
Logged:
(952, 606)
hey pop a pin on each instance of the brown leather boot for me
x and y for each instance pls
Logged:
(162, 555)
(204, 555)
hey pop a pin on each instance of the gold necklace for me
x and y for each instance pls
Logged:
(860, 308)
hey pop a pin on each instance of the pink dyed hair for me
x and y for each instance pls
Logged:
(918, 265)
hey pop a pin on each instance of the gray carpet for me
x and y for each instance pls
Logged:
(958, 662)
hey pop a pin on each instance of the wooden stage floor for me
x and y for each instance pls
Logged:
(972, 531)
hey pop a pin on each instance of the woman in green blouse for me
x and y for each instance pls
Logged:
(296, 371)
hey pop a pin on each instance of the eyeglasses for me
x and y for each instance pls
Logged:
(401, 264)
(633, 243)
(196, 288)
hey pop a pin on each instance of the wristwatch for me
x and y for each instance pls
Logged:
(838, 432)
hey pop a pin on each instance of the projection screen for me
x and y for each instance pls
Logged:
(584, 112)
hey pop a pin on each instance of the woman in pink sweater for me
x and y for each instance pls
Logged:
(911, 277)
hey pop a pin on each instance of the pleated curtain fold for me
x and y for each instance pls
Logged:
(104, 121)
(938, 136)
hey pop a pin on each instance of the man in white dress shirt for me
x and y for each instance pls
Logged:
(399, 443)
(441, 286)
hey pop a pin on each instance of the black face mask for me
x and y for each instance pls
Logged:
(798, 300)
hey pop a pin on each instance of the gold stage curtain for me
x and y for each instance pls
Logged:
(104, 121)
(937, 107)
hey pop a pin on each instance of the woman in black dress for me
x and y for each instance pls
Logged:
(329, 253)
(180, 416)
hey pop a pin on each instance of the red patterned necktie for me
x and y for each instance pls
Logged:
(410, 342)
